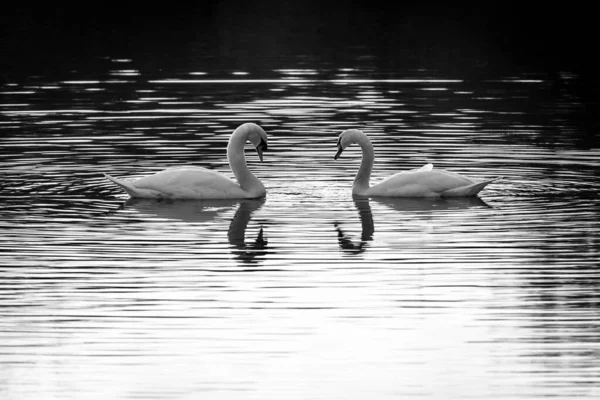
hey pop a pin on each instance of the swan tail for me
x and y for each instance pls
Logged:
(126, 186)
(469, 190)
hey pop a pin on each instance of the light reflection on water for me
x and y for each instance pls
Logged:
(308, 293)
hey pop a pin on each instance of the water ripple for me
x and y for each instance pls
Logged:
(101, 293)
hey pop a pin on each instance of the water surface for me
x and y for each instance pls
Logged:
(309, 292)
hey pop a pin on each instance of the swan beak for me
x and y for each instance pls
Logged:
(260, 149)
(339, 152)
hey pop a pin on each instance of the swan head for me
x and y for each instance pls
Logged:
(256, 135)
(347, 138)
(258, 138)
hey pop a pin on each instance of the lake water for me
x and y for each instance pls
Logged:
(308, 293)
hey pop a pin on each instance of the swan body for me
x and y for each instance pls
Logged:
(426, 181)
(199, 183)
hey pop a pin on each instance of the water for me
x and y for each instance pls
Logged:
(308, 293)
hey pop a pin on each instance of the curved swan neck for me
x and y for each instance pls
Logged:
(237, 161)
(363, 176)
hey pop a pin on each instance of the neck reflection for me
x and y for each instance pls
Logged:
(367, 228)
(246, 253)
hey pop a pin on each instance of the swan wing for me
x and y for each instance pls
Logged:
(132, 190)
(420, 183)
(190, 182)
(426, 167)
(469, 190)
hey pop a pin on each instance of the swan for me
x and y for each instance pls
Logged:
(200, 183)
(422, 182)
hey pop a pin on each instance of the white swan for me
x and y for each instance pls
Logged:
(423, 182)
(201, 183)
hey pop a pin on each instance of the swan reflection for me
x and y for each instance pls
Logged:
(207, 210)
(405, 204)
(237, 233)
(367, 228)
(430, 204)
(181, 210)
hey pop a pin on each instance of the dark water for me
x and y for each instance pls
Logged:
(307, 293)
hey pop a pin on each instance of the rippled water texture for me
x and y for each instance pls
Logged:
(308, 293)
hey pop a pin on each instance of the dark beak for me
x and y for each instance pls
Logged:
(262, 147)
(339, 152)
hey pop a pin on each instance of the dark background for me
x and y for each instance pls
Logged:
(498, 36)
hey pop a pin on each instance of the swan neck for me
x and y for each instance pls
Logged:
(237, 163)
(363, 176)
